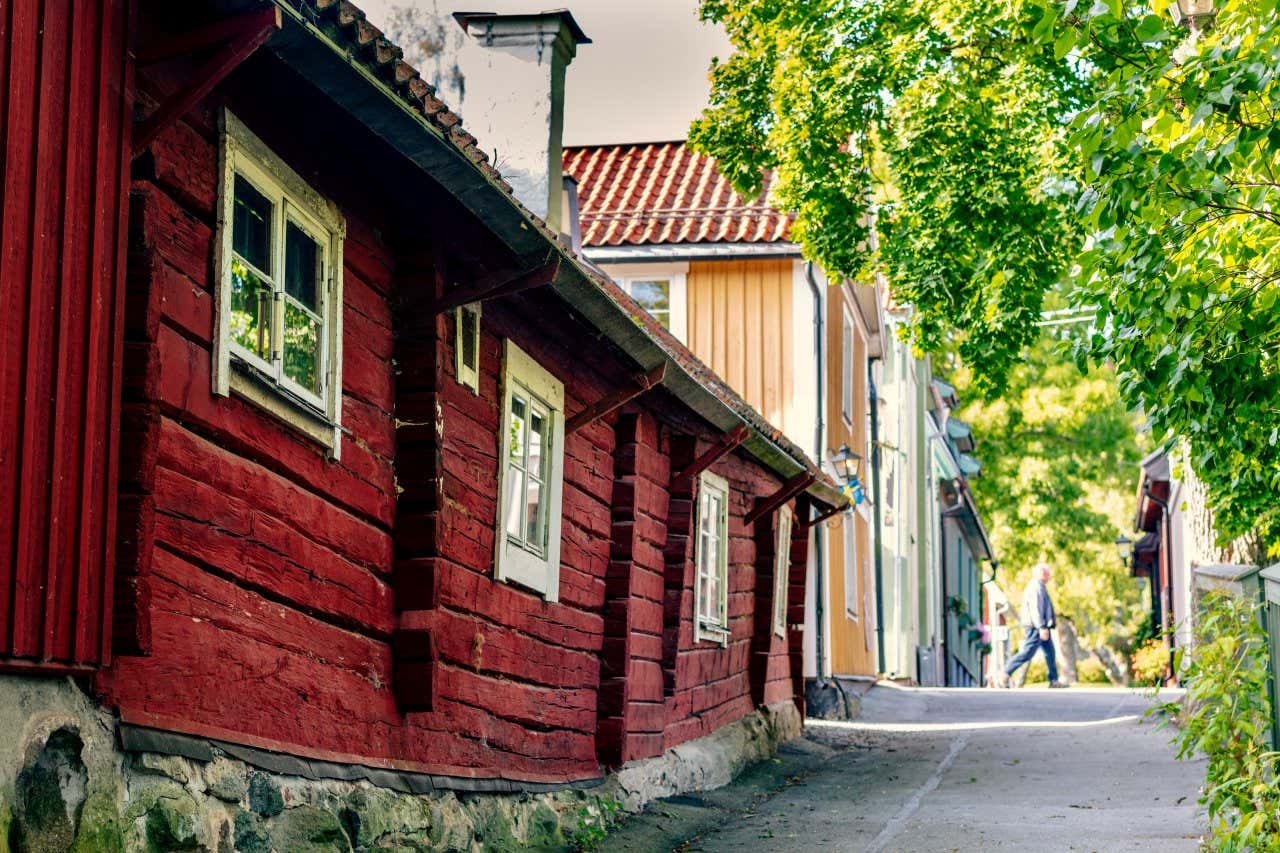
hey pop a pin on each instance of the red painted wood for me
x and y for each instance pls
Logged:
(64, 130)
(258, 591)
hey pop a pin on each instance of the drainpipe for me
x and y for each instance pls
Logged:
(875, 507)
(819, 531)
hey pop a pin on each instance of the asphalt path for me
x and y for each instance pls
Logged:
(957, 770)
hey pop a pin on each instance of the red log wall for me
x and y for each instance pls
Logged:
(65, 120)
(264, 587)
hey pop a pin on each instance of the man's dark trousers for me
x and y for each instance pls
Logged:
(1028, 651)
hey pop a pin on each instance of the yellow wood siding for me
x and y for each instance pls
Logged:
(853, 648)
(740, 315)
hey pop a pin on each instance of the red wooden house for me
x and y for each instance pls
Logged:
(314, 441)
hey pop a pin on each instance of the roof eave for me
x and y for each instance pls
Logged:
(692, 251)
(348, 83)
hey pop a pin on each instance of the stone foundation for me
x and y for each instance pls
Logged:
(66, 785)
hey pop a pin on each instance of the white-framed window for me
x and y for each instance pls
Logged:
(661, 289)
(530, 474)
(711, 556)
(467, 346)
(850, 542)
(279, 278)
(781, 568)
(846, 366)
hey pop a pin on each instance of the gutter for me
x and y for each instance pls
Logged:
(340, 74)
(667, 252)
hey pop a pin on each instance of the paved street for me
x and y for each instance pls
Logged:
(939, 770)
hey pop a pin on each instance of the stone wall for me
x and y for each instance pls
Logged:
(65, 784)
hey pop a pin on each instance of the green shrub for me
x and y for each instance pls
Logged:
(1226, 716)
(1150, 663)
(1037, 672)
(1091, 671)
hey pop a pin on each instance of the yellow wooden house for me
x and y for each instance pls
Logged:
(720, 272)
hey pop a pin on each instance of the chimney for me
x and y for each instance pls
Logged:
(513, 67)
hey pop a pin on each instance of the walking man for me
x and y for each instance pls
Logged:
(1037, 618)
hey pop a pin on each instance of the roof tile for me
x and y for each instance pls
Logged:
(665, 192)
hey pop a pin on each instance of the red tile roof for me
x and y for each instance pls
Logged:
(665, 192)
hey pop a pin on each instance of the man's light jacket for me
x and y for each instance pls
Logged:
(1037, 607)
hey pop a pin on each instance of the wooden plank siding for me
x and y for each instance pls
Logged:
(741, 325)
(263, 584)
(853, 649)
(65, 122)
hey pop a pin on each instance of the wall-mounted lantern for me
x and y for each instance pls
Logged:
(1124, 549)
(848, 467)
(847, 463)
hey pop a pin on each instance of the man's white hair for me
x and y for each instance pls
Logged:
(1042, 571)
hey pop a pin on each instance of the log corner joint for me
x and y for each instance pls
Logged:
(414, 658)
(236, 39)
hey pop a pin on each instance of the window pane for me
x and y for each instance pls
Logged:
(537, 441)
(301, 347)
(704, 576)
(250, 309)
(251, 225)
(654, 297)
(516, 430)
(515, 502)
(533, 513)
(468, 320)
(713, 577)
(850, 568)
(846, 370)
(301, 266)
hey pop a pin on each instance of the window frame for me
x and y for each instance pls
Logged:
(677, 274)
(849, 557)
(238, 370)
(781, 569)
(846, 365)
(514, 562)
(707, 627)
(467, 375)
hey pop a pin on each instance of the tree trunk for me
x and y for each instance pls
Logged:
(1116, 670)
(1068, 650)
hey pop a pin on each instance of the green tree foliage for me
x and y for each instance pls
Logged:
(1059, 454)
(940, 120)
(1179, 154)
(993, 141)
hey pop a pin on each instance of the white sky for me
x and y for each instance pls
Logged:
(642, 79)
